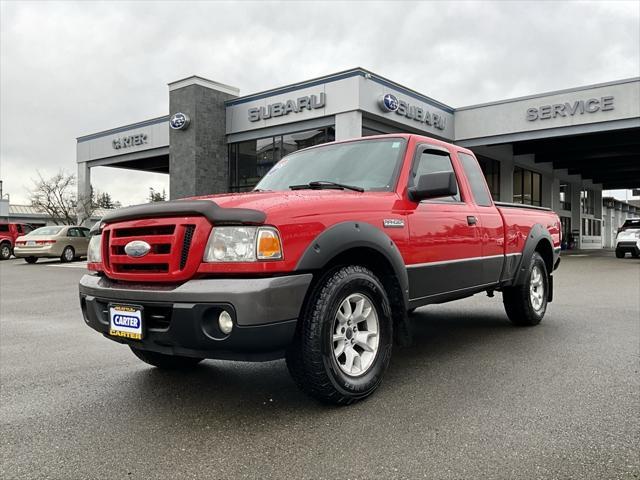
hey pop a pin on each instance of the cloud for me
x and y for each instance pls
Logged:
(68, 69)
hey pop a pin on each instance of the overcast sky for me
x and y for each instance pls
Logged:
(68, 69)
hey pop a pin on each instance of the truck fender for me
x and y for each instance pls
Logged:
(537, 233)
(347, 235)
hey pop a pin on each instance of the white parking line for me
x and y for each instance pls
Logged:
(69, 265)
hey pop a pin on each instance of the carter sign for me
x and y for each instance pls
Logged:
(130, 141)
(310, 102)
(570, 109)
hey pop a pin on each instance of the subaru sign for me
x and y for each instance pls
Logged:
(389, 103)
(179, 121)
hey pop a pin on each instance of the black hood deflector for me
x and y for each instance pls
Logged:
(206, 208)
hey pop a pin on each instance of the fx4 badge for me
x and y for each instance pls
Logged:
(393, 223)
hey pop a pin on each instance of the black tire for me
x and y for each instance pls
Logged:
(5, 251)
(518, 301)
(411, 311)
(619, 253)
(68, 254)
(166, 362)
(31, 259)
(310, 358)
(635, 254)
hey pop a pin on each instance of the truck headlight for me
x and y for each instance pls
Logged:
(94, 251)
(243, 244)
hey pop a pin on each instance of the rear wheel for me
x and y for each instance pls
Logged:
(31, 259)
(343, 343)
(635, 254)
(526, 304)
(166, 362)
(5, 251)
(619, 253)
(68, 254)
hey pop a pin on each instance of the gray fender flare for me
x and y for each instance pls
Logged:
(347, 235)
(537, 233)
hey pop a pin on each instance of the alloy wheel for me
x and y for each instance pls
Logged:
(355, 335)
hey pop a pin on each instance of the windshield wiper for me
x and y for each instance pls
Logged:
(320, 184)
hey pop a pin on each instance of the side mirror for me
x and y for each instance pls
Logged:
(434, 185)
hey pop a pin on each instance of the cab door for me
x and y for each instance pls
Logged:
(446, 247)
(490, 222)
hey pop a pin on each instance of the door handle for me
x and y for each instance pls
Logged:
(471, 220)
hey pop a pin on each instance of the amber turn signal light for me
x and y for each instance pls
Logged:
(269, 245)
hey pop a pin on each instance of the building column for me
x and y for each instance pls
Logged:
(83, 207)
(198, 157)
(576, 215)
(506, 180)
(348, 125)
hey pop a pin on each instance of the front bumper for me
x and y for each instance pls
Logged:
(183, 319)
(628, 246)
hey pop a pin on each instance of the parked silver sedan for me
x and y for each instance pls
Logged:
(65, 242)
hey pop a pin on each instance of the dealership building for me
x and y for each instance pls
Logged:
(556, 149)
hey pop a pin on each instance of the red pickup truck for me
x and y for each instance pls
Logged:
(321, 263)
(8, 234)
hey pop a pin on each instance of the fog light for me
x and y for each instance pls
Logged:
(225, 322)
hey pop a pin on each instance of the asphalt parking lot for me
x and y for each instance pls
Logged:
(473, 398)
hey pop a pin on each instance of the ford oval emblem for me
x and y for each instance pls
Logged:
(137, 248)
(389, 103)
(179, 121)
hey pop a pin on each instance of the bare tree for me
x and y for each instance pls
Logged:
(157, 196)
(56, 196)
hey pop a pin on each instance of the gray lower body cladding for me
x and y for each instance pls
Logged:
(182, 320)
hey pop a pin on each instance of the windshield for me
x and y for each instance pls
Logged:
(45, 231)
(631, 224)
(370, 164)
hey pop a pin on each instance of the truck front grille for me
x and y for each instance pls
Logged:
(172, 257)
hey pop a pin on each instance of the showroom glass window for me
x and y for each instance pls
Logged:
(527, 187)
(587, 203)
(249, 161)
(565, 196)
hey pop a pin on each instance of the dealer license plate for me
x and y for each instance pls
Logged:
(125, 321)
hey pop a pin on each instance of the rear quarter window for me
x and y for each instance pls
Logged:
(476, 179)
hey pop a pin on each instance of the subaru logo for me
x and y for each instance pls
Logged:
(179, 121)
(389, 103)
(137, 248)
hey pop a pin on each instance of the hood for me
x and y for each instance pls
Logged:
(301, 203)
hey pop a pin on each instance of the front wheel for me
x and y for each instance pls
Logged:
(5, 251)
(166, 362)
(342, 346)
(619, 253)
(526, 304)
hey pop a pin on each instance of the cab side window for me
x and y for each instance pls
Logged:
(19, 228)
(430, 162)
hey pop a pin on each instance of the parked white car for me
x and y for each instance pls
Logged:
(628, 239)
